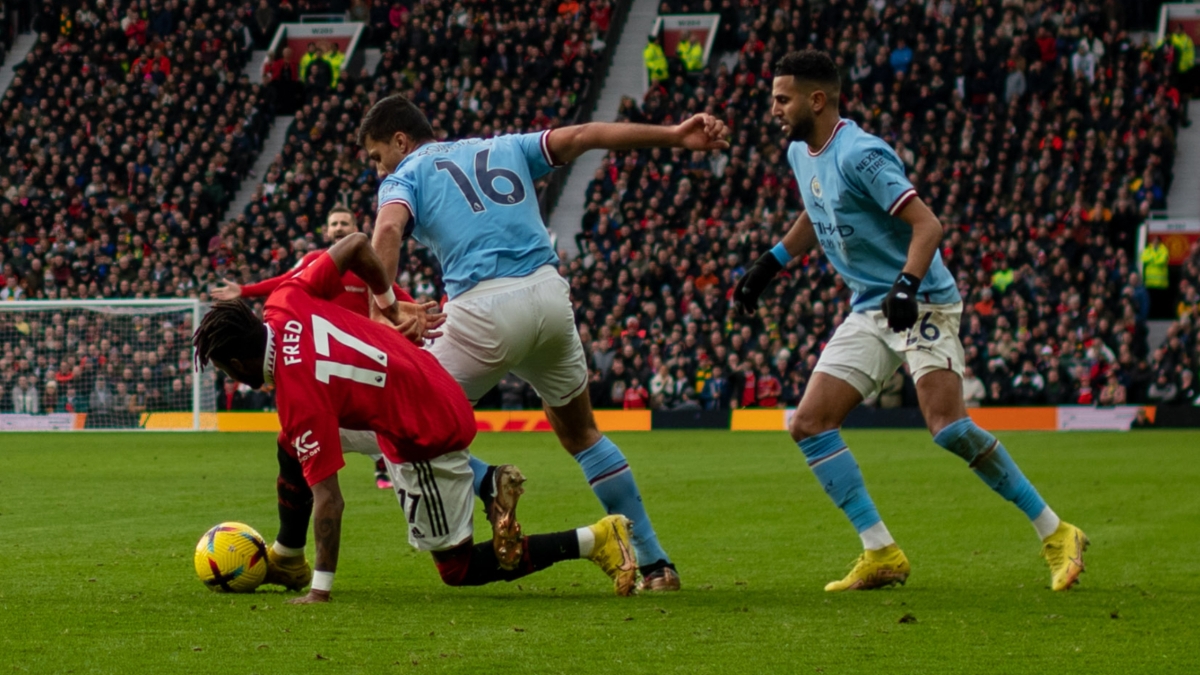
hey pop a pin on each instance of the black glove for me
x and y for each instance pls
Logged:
(752, 285)
(900, 305)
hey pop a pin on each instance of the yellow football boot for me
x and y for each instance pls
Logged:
(1063, 552)
(291, 572)
(613, 553)
(874, 569)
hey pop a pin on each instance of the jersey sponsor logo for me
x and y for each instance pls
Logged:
(872, 163)
(356, 289)
(291, 342)
(815, 186)
(828, 229)
(306, 450)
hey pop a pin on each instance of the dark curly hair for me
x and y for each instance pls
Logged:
(812, 65)
(229, 330)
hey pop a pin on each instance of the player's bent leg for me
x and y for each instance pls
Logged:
(1063, 544)
(815, 426)
(608, 473)
(286, 564)
(382, 481)
(366, 443)
(605, 543)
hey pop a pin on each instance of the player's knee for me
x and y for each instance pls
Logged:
(806, 424)
(937, 422)
(453, 565)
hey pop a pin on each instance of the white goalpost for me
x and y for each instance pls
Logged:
(102, 364)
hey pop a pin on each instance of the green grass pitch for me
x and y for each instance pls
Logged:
(97, 532)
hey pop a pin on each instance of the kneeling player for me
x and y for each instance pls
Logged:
(332, 368)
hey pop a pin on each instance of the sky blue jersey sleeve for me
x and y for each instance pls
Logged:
(536, 150)
(399, 188)
(875, 169)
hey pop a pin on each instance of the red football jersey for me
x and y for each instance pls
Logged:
(356, 296)
(333, 368)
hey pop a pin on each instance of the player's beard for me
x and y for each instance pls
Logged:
(801, 128)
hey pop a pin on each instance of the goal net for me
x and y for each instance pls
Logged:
(102, 364)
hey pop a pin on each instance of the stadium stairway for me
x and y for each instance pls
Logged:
(624, 79)
(253, 68)
(1183, 201)
(20, 49)
(280, 125)
(271, 148)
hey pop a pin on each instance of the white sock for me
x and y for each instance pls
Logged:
(876, 537)
(286, 551)
(1046, 522)
(587, 541)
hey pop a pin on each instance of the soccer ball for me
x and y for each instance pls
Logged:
(232, 558)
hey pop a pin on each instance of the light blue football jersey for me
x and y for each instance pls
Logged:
(853, 188)
(474, 205)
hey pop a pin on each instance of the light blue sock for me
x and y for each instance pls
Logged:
(479, 468)
(831, 461)
(608, 473)
(991, 462)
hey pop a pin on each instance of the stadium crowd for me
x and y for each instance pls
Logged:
(124, 135)
(1039, 132)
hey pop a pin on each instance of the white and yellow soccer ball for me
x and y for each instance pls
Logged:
(231, 558)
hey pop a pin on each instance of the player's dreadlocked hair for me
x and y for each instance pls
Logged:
(228, 330)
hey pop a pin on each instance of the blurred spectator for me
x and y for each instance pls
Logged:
(973, 389)
(72, 402)
(636, 397)
(49, 403)
(715, 393)
(891, 394)
(1113, 392)
(655, 60)
(512, 392)
(1155, 268)
(1184, 61)
(24, 397)
(1162, 391)
(690, 52)
(1141, 420)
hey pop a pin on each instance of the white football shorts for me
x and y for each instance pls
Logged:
(524, 325)
(864, 352)
(362, 442)
(437, 497)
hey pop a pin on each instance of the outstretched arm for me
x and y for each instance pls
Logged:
(230, 290)
(699, 132)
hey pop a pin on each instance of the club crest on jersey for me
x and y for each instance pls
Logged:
(304, 449)
(815, 185)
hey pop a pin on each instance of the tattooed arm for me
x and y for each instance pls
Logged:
(327, 533)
